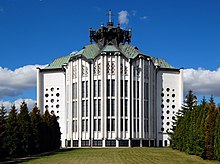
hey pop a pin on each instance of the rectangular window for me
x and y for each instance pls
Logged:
(74, 126)
(95, 88)
(113, 125)
(121, 124)
(121, 88)
(108, 124)
(113, 88)
(87, 125)
(126, 124)
(113, 107)
(83, 125)
(74, 109)
(86, 88)
(137, 125)
(83, 108)
(134, 89)
(121, 107)
(137, 108)
(126, 88)
(99, 124)
(134, 108)
(145, 90)
(74, 90)
(86, 108)
(108, 107)
(83, 89)
(95, 125)
(134, 125)
(108, 87)
(145, 109)
(137, 89)
(99, 107)
(95, 107)
(99, 88)
(126, 108)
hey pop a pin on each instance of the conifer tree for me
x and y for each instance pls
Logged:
(24, 128)
(2, 130)
(190, 102)
(11, 141)
(217, 137)
(209, 130)
(36, 125)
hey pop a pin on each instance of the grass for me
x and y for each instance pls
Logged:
(120, 155)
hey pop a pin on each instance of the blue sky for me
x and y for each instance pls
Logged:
(186, 33)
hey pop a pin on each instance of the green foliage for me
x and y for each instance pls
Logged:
(2, 130)
(28, 133)
(197, 129)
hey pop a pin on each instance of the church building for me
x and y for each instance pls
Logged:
(110, 93)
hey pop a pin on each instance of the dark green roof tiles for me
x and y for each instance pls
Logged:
(92, 51)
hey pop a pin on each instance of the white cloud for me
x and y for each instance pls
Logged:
(7, 104)
(123, 17)
(14, 82)
(202, 82)
(143, 17)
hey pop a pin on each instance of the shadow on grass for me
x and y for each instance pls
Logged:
(36, 156)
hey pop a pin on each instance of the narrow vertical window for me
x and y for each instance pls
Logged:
(86, 108)
(113, 88)
(134, 108)
(113, 107)
(99, 107)
(74, 90)
(121, 88)
(121, 124)
(83, 125)
(86, 125)
(99, 124)
(99, 88)
(95, 88)
(137, 125)
(83, 108)
(108, 107)
(95, 107)
(83, 89)
(95, 125)
(134, 125)
(113, 125)
(137, 108)
(121, 107)
(86, 89)
(126, 88)
(108, 124)
(126, 108)
(137, 89)
(126, 124)
(108, 87)
(134, 89)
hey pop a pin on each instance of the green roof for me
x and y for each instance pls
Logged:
(92, 51)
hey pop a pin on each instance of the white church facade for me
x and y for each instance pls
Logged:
(110, 94)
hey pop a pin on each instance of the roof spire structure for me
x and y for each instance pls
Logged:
(110, 14)
(110, 34)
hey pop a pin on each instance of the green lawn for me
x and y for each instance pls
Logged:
(120, 155)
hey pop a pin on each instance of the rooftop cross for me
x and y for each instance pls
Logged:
(110, 14)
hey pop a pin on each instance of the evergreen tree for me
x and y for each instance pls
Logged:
(203, 102)
(217, 137)
(209, 130)
(190, 102)
(2, 130)
(11, 141)
(24, 128)
(36, 125)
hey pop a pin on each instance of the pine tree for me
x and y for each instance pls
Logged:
(217, 137)
(36, 125)
(2, 130)
(11, 141)
(190, 102)
(24, 128)
(209, 130)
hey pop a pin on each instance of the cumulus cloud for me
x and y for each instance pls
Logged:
(123, 17)
(202, 82)
(7, 104)
(14, 82)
